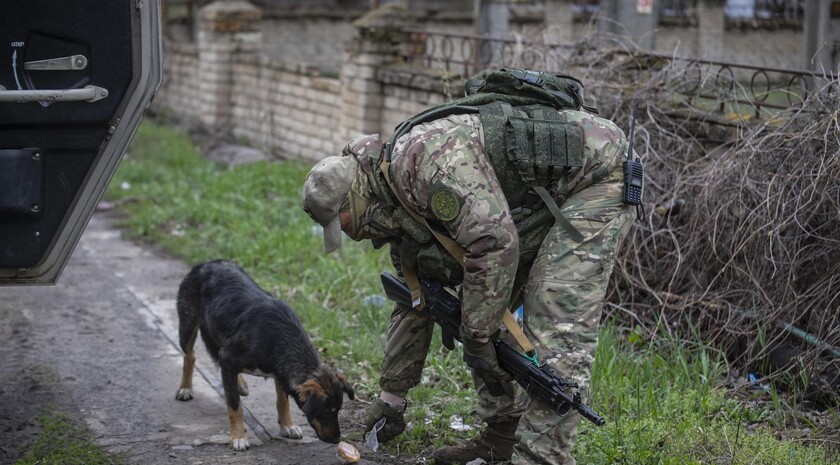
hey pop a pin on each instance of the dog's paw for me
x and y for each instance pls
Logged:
(292, 432)
(184, 394)
(239, 444)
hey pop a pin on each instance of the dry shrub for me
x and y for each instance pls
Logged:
(752, 252)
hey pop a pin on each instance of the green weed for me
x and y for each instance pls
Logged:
(659, 396)
(62, 440)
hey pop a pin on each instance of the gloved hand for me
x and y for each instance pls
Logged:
(394, 420)
(481, 357)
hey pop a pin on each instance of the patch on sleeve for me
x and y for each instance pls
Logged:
(445, 205)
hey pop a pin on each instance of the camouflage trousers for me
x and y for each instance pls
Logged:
(562, 300)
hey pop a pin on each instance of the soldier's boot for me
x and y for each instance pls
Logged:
(494, 444)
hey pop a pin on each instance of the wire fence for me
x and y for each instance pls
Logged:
(756, 90)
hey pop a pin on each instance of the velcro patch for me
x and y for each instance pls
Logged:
(445, 205)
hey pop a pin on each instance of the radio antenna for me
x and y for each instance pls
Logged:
(632, 129)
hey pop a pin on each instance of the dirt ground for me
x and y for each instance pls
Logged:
(100, 346)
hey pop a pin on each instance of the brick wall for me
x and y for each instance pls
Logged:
(408, 93)
(285, 111)
(178, 92)
(233, 78)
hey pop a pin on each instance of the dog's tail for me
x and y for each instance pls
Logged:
(188, 310)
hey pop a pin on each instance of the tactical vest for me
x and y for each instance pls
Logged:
(516, 164)
(527, 146)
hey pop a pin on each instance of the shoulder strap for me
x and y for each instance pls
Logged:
(450, 245)
(558, 215)
(425, 117)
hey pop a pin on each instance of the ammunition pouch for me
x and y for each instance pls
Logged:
(540, 148)
(534, 142)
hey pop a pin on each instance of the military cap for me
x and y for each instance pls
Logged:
(324, 191)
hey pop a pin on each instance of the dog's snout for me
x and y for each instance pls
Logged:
(328, 432)
(332, 439)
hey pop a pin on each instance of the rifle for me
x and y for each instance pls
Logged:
(539, 382)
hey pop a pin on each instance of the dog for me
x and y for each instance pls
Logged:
(247, 330)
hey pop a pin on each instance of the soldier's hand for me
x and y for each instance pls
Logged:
(394, 420)
(480, 355)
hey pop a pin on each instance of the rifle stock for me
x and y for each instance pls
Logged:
(538, 381)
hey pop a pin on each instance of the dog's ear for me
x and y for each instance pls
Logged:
(345, 386)
(312, 395)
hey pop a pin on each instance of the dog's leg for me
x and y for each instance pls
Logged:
(238, 438)
(243, 386)
(188, 323)
(185, 391)
(288, 428)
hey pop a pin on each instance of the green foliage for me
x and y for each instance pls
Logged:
(62, 440)
(662, 407)
(658, 396)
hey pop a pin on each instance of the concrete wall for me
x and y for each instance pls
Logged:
(234, 80)
(707, 38)
(315, 37)
(314, 40)
(710, 40)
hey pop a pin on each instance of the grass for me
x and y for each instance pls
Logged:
(659, 397)
(664, 408)
(62, 440)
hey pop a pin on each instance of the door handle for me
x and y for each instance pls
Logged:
(69, 63)
(85, 94)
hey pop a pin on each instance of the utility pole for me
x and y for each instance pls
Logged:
(377, 3)
(821, 36)
(491, 19)
(635, 19)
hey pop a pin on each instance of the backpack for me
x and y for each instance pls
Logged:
(527, 143)
(515, 87)
(558, 90)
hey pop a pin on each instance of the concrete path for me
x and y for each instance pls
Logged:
(108, 333)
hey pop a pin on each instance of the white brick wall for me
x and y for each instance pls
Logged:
(282, 106)
(283, 112)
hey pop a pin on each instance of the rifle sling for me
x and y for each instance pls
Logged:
(413, 282)
(517, 333)
(558, 215)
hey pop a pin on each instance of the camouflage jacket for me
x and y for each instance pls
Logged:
(441, 171)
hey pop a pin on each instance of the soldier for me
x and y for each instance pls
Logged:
(444, 173)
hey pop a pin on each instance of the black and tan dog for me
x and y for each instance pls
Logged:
(246, 330)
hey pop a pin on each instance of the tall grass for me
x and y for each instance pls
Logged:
(659, 397)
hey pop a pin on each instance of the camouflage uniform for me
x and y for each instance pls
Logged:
(564, 281)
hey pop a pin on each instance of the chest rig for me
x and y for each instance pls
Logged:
(529, 146)
(519, 172)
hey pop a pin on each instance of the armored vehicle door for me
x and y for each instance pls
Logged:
(75, 79)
